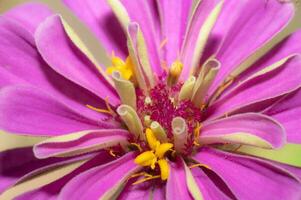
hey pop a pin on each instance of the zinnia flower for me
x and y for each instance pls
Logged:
(167, 118)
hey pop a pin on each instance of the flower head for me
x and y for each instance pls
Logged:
(175, 114)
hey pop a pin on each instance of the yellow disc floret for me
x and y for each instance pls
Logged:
(124, 68)
(155, 155)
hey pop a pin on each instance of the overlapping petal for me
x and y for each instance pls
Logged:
(104, 181)
(29, 15)
(261, 179)
(68, 60)
(269, 83)
(176, 186)
(244, 27)
(20, 164)
(248, 128)
(286, 111)
(21, 64)
(28, 110)
(51, 191)
(174, 17)
(80, 142)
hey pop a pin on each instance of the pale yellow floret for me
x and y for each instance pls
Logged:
(174, 72)
(124, 68)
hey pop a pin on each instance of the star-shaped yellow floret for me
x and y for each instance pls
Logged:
(155, 155)
(124, 68)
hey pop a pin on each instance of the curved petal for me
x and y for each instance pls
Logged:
(138, 192)
(20, 62)
(249, 128)
(27, 110)
(286, 48)
(276, 81)
(51, 191)
(250, 178)
(103, 181)
(98, 16)
(287, 112)
(174, 17)
(246, 26)
(20, 164)
(79, 143)
(209, 188)
(71, 62)
(176, 186)
(195, 27)
(29, 15)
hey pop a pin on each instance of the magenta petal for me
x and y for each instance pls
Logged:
(250, 178)
(67, 59)
(176, 186)
(255, 124)
(29, 15)
(174, 16)
(30, 111)
(287, 112)
(20, 62)
(96, 182)
(52, 190)
(80, 143)
(99, 17)
(247, 26)
(141, 12)
(209, 189)
(277, 82)
(20, 164)
(203, 10)
(288, 47)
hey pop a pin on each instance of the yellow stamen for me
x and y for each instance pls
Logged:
(124, 68)
(98, 109)
(147, 158)
(162, 149)
(164, 169)
(151, 139)
(199, 165)
(146, 179)
(109, 107)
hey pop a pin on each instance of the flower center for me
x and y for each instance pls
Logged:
(164, 118)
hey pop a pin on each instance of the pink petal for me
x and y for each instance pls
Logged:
(80, 143)
(277, 82)
(66, 59)
(288, 47)
(52, 190)
(210, 189)
(244, 27)
(176, 186)
(174, 16)
(98, 16)
(20, 164)
(96, 182)
(287, 112)
(138, 192)
(258, 125)
(250, 178)
(20, 62)
(29, 15)
(141, 12)
(28, 110)
(201, 13)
